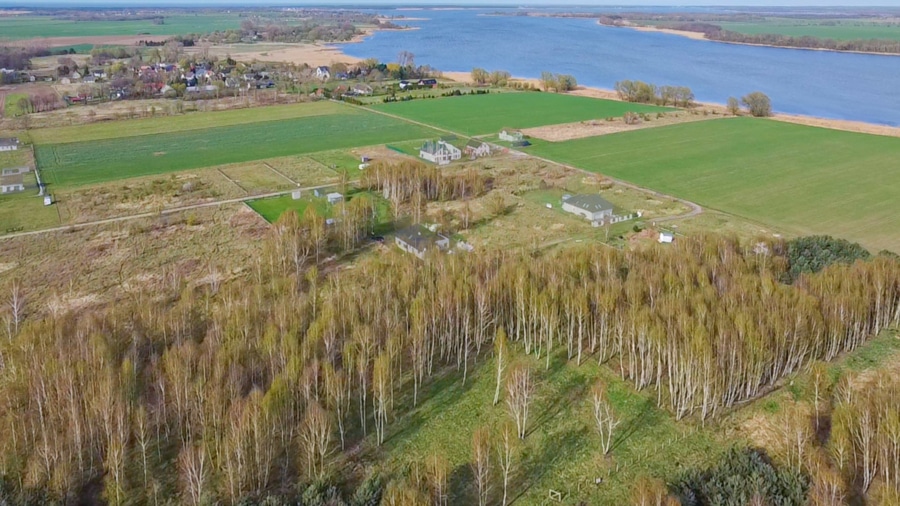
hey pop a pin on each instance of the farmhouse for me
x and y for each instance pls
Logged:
(440, 152)
(592, 207)
(510, 135)
(428, 82)
(323, 73)
(418, 240)
(477, 149)
(9, 144)
(12, 183)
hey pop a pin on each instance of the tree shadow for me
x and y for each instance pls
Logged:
(536, 464)
(629, 428)
(462, 485)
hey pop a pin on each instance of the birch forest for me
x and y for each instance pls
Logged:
(238, 389)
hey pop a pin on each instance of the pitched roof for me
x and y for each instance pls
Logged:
(14, 179)
(417, 236)
(9, 141)
(590, 203)
(435, 147)
(474, 143)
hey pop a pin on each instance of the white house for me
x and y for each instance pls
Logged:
(592, 207)
(323, 73)
(12, 183)
(9, 144)
(666, 238)
(334, 198)
(418, 240)
(510, 135)
(440, 152)
(477, 149)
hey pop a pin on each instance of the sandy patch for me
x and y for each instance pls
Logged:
(837, 124)
(310, 54)
(593, 128)
(122, 40)
(683, 33)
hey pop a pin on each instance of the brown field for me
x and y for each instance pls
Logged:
(593, 128)
(103, 40)
(310, 54)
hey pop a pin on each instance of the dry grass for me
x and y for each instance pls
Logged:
(303, 171)
(592, 128)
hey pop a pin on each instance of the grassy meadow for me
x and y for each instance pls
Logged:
(94, 161)
(27, 27)
(486, 114)
(842, 29)
(802, 179)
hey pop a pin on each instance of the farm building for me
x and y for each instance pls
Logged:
(323, 73)
(440, 152)
(592, 207)
(12, 171)
(418, 240)
(9, 144)
(11, 184)
(362, 89)
(334, 198)
(428, 82)
(511, 135)
(476, 148)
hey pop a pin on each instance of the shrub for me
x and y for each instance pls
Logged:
(814, 253)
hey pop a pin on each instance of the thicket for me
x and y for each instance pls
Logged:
(814, 253)
(647, 93)
(742, 477)
(254, 381)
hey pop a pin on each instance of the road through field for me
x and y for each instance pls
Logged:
(164, 212)
(695, 209)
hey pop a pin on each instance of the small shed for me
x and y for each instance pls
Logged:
(334, 198)
(666, 238)
(296, 195)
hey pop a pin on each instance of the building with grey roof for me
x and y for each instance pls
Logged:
(592, 207)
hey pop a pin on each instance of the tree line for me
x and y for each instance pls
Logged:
(647, 93)
(249, 383)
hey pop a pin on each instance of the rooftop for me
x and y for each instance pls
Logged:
(9, 141)
(417, 236)
(475, 143)
(589, 202)
(12, 179)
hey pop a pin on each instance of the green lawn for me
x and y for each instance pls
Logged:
(845, 29)
(272, 208)
(26, 210)
(484, 114)
(78, 163)
(805, 180)
(561, 450)
(189, 121)
(27, 27)
(11, 108)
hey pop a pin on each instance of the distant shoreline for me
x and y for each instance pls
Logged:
(702, 36)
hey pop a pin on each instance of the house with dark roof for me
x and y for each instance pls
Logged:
(440, 152)
(419, 240)
(323, 73)
(477, 149)
(593, 207)
(9, 144)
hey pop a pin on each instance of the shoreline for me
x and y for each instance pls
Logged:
(702, 36)
(813, 121)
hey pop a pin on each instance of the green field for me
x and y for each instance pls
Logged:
(185, 122)
(802, 179)
(27, 27)
(11, 107)
(485, 114)
(844, 29)
(86, 162)
(272, 208)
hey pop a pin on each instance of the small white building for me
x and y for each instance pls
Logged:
(323, 73)
(334, 198)
(9, 144)
(440, 152)
(12, 183)
(666, 238)
(593, 207)
(511, 135)
(477, 149)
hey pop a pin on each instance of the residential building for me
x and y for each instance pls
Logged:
(477, 149)
(323, 73)
(9, 144)
(592, 207)
(440, 152)
(419, 240)
(12, 183)
(511, 135)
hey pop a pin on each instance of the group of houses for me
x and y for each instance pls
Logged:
(442, 151)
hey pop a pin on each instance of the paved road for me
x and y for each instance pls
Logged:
(164, 212)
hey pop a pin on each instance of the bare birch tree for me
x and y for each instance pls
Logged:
(519, 393)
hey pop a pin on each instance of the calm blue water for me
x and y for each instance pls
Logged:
(816, 83)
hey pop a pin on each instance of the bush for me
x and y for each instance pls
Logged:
(814, 253)
(740, 477)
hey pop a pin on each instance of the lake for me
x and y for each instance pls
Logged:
(815, 83)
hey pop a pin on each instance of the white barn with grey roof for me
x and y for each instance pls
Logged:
(592, 207)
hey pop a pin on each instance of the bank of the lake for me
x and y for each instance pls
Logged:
(829, 85)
